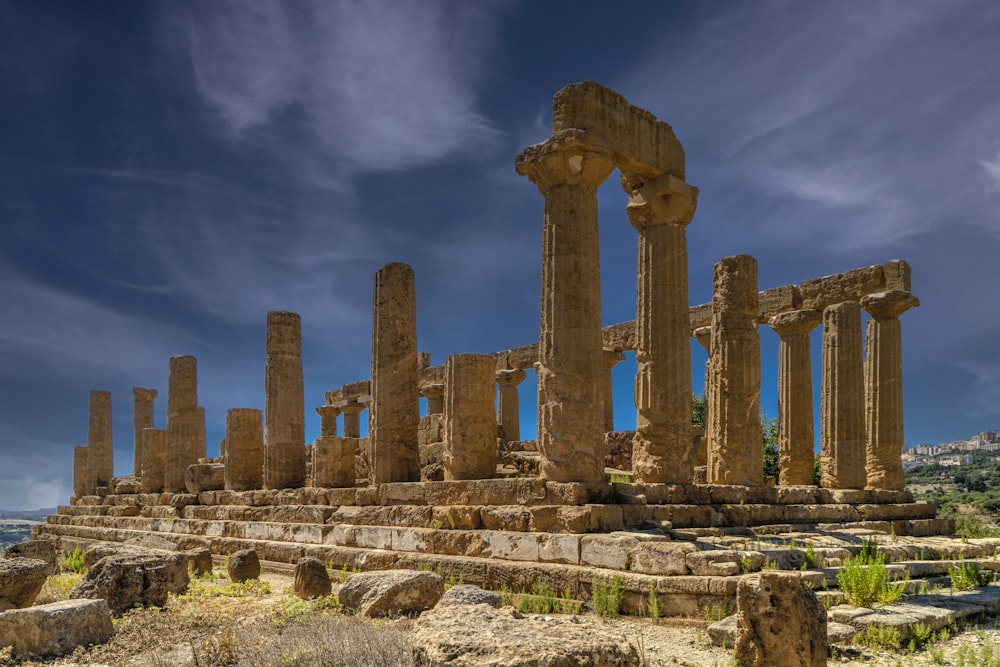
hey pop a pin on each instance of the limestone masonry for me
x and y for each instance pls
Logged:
(457, 488)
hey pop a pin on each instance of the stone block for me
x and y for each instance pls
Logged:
(391, 593)
(21, 579)
(779, 622)
(456, 517)
(605, 518)
(611, 552)
(311, 579)
(401, 493)
(512, 546)
(819, 293)
(337, 497)
(505, 518)
(720, 563)
(559, 549)
(661, 558)
(57, 628)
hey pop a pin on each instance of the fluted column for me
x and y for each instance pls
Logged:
(80, 472)
(284, 404)
(142, 418)
(508, 403)
(434, 393)
(796, 438)
(100, 457)
(884, 388)
(154, 460)
(735, 440)
(244, 457)
(842, 415)
(394, 417)
(470, 426)
(352, 418)
(570, 431)
(611, 359)
(333, 456)
(185, 442)
(704, 337)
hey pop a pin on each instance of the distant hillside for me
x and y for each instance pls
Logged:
(28, 515)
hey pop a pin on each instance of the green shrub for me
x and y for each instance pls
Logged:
(607, 596)
(966, 576)
(869, 551)
(653, 603)
(541, 600)
(715, 612)
(865, 582)
(73, 562)
(878, 637)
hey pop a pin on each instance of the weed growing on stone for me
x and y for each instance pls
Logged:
(714, 613)
(769, 564)
(506, 595)
(541, 600)
(73, 562)
(454, 581)
(868, 552)
(607, 596)
(653, 603)
(967, 576)
(57, 588)
(969, 657)
(810, 556)
(746, 564)
(865, 581)
(879, 637)
(294, 610)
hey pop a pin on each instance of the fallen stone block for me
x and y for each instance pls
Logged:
(311, 579)
(243, 566)
(20, 581)
(391, 592)
(57, 628)
(205, 477)
(466, 594)
(128, 580)
(779, 622)
(42, 550)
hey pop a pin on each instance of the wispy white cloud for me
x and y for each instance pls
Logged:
(991, 170)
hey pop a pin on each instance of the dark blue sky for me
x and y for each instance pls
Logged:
(170, 171)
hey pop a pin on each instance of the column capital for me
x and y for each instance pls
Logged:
(795, 322)
(565, 159)
(611, 358)
(704, 336)
(511, 377)
(350, 407)
(666, 200)
(433, 391)
(328, 411)
(888, 305)
(144, 393)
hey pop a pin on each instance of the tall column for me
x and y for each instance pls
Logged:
(842, 415)
(154, 460)
(884, 388)
(333, 456)
(660, 211)
(395, 411)
(470, 426)
(508, 403)
(100, 457)
(734, 437)
(570, 431)
(284, 404)
(352, 418)
(185, 423)
(611, 359)
(142, 418)
(244, 459)
(80, 472)
(704, 337)
(796, 438)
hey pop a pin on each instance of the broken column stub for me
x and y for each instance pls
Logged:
(779, 621)
(185, 423)
(470, 428)
(154, 460)
(660, 210)
(570, 431)
(842, 416)
(100, 457)
(508, 403)
(142, 418)
(333, 456)
(395, 408)
(796, 438)
(244, 458)
(884, 388)
(734, 433)
(80, 472)
(284, 404)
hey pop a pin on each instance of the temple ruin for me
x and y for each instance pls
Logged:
(459, 489)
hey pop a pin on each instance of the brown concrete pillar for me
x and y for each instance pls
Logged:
(394, 417)
(80, 478)
(842, 415)
(185, 423)
(570, 431)
(434, 393)
(660, 211)
(142, 418)
(508, 403)
(154, 460)
(333, 456)
(100, 457)
(735, 440)
(284, 404)
(884, 388)
(611, 359)
(244, 459)
(470, 426)
(352, 418)
(796, 438)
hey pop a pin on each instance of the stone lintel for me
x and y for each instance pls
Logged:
(818, 293)
(897, 275)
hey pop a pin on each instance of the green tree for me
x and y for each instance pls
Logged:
(769, 427)
(698, 409)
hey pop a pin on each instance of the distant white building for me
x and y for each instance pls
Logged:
(955, 460)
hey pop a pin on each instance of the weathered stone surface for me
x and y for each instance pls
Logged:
(20, 581)
(395, 409)
(200, 560)
(391, 592)
(717, 563)
(779, 622)
(818, 293)
(466, 594)
(244, 565)
(142, 418)
(311, 579)
(57, 628)
(842, 418)
(80, 473)
(663, 558)
(185, 442)
(125, 485)
(284, 405)
(100, 458)
(42, 550)
(205, 477)
(127, 580)
(154, 460)
(508, 403)
(244, 459)
(481, 636)
(470, 426)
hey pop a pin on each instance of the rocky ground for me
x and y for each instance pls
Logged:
(220, 624)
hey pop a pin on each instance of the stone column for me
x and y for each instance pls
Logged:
(244, 459)
(100, 457)
(570, 430)
(735, 441)
(142, 418)
(284, 404)
(470, 426)
(884, 388)
(434, 393)
(704, 337)
(154, 460)
(185, 423)
(611, 359)
(796, 438)
(842, 415)
(333, 457)
(80, 478)
(352, 418)
(660, 211)
(394, 416)
(508, 403)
